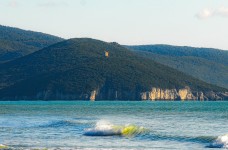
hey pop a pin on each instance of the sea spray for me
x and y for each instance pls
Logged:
(220, 142)
(102, 128)
(105, 128)
(3, 147)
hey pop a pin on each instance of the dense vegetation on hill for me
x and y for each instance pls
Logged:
(73, 68)
(15, 42)
(209, 65)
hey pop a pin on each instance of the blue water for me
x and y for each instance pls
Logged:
(68, 125)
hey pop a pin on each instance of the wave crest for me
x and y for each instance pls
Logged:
(220, 142)
(104, 128)
(3, 147)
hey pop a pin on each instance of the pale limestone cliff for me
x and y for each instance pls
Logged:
(170, 94)
(143, 95)
(157, 94)
(201, 96)
(93, 95)
(111, 94)
(183, 94)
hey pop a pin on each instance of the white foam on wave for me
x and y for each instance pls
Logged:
(102, 128)
(2, 146)
(105, 128)
(220, 142)
(103, 125)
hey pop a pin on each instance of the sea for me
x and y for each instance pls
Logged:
(113, 125)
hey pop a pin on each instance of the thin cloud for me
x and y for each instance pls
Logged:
(222, 11)
(52, 4)
(13, 4)
(208, 13)
(83, 2)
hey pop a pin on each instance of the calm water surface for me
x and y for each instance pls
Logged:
(82, 125)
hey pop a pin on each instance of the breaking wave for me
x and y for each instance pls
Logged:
(105, 128)
(3, 146)
(220, 142)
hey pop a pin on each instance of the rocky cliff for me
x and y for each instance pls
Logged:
(172, 94)
(166, 94)
(155, 94)
(181, 94)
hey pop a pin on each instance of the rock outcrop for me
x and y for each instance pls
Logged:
(168, 94)
(105, 93)
(181, 94)
(93, 95)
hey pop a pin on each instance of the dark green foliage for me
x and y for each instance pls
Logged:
(15, 42)
(209, 65)
(78, 66)
(216, 55)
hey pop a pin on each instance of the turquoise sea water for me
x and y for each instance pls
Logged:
(102, 125)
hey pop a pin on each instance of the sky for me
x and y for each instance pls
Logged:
(197, 23)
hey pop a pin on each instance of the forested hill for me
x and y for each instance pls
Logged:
(207, 64)
(80, 69)
(15, 42)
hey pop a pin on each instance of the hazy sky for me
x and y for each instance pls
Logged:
(201, 23)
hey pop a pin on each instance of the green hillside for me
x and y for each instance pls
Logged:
(209, 65)
(15, 43)
(74, 68)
